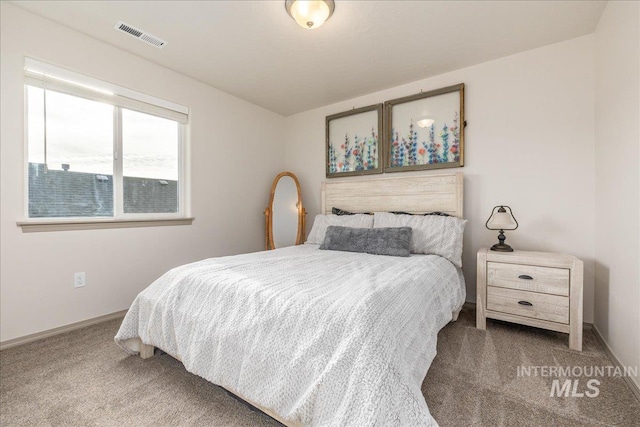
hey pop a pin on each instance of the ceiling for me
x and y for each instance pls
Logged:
(255, 51)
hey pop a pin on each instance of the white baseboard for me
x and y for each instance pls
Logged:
(60, 330)
(635, 388)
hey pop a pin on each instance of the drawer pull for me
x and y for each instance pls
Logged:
(525, 277)
(527, 303)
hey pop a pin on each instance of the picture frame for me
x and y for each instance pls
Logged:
(353, 144)
(425, 130)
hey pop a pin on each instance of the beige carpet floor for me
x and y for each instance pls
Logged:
(82, 378)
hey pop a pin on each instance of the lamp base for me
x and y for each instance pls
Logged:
(501, 247)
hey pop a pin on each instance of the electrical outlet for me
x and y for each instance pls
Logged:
(79, 280)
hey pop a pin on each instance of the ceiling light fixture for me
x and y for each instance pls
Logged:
(310, 14)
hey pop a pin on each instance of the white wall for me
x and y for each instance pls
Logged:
(36, 269)
(617, 229)
(529, 144)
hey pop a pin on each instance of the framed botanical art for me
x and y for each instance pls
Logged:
(425, 131)
(353, 145)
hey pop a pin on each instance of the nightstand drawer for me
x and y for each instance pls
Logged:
(548, 307)
(548, 280)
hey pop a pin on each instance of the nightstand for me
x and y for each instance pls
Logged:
(537, 289)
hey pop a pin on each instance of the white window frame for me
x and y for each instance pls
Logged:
(50, 77)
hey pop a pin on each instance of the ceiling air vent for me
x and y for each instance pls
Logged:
(140, 35)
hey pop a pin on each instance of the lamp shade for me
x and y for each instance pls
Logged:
(501, 219)
(310, 14)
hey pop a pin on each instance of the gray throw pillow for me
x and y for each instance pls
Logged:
(338, 211)
(394, 241)
(436, 213)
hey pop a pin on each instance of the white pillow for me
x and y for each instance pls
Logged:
(321, 222)
(431, 234)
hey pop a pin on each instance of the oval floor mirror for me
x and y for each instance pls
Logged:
(285, 216)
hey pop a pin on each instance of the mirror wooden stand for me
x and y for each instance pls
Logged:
(285, 215)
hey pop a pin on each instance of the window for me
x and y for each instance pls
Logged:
(96, 150)
(149, 163)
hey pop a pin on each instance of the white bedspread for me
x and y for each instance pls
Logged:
(326, 338)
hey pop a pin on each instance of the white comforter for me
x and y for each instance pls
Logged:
(325, 338)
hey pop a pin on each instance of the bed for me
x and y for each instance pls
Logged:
(310, 336)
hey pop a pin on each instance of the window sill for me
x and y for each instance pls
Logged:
(75, 224)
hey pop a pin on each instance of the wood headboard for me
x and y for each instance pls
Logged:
(413, 194)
